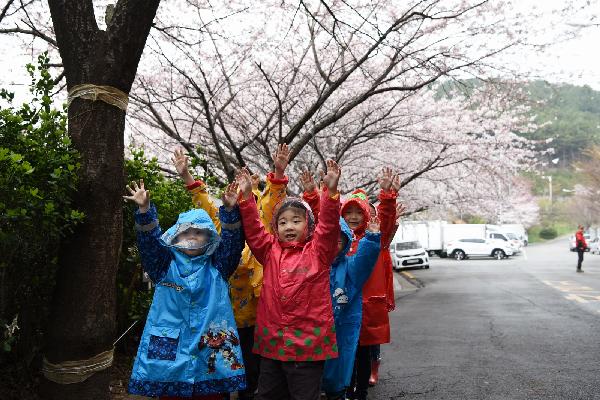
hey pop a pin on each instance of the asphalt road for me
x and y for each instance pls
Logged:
(523, 328)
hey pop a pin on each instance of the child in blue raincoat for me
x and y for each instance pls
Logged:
(190, 344)
(347, 277)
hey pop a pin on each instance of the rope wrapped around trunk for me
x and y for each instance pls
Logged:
(107, 94)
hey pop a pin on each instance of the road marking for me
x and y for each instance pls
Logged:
(576, 292)
(525, 254)
(576, 298)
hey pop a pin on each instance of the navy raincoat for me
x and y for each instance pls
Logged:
(347, 276)
(190, 345)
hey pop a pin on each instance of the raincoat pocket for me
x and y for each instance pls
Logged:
(375, 312)
(163, 343)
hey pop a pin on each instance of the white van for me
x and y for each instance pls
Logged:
(406, 254)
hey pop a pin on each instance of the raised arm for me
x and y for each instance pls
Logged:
(259, 240)
(386, 210)
(365, 258)
(202, 200)
(230, 248)
(327, 231)
(272, 195)
(154, 256)
(200, 196)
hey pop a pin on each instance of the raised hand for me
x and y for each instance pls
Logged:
(332, 177)
(255, 181)
(307, 181)
(139, 195)
(281, 158)
(230, 195)
(400, 210)
(396, 183)
(374, 225)
(385, 178)
(244, 182)
(180, 161)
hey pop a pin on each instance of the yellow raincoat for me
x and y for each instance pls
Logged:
(246, 281)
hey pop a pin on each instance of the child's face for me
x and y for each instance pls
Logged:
(291, 225)
(353, 216)
(192, 237)
(372, 211)
(341, 243)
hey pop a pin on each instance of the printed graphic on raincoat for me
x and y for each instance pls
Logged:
(294, 320)
(246, 282)
(347, 277)
(190, 344)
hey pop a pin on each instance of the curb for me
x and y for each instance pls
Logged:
(404, 286)
(412, 279)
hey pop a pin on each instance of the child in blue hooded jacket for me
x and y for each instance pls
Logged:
(190, 344)
(347, 276)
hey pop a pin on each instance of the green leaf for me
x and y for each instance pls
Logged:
(16, 157)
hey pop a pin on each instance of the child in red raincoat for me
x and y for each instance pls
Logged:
(295, 331)
(378, 291)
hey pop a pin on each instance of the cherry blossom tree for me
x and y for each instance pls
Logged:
(348, 80)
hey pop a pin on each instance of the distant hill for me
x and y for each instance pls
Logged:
(574, 116)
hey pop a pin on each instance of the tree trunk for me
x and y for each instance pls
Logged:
(82, 322)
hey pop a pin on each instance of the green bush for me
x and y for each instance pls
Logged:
(548, 233)
(38, 176)
(38, 179)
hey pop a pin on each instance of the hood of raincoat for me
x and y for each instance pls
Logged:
(295, 202)
(359, 197)
(347, 232)
(198, 219)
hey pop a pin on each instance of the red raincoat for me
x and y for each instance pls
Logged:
(294, 320)
(580, 242)
(378, 291)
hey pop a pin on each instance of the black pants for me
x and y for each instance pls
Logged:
(579, 258)
(251, 362)
(359, 385)
(289, 380)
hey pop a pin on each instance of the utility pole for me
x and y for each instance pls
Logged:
(549, 177)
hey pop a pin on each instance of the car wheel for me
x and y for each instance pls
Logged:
(426, 266)
(498, 254)
(459, 255)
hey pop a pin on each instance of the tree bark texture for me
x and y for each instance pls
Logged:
(82, 322)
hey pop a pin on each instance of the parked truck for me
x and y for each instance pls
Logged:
(434, 236)
(518, 230)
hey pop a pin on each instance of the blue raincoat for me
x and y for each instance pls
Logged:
(190, 345)
(347, 277)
